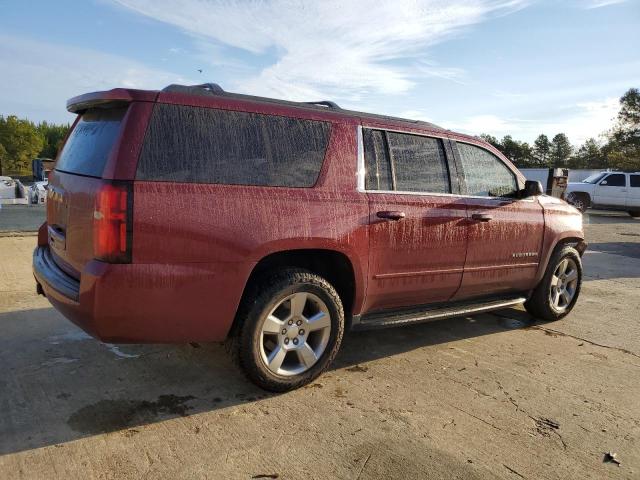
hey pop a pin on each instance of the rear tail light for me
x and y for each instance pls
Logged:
(112, 223)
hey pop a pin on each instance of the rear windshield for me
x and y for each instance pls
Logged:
(88, 147)
(205, 145)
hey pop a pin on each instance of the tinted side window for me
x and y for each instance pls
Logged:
(615, 180)
(484, 173)
(204, 145)
(635, 180)
(419, 163)
(89, 144)
(378, 170)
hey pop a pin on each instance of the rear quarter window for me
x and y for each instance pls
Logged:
(88, 147)
(204, 145)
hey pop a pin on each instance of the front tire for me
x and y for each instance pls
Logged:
(291, 327)
(579, 200)
(634, 213)
(557, 293)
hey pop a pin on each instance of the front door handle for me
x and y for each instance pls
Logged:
(481, 217)
(391, 215)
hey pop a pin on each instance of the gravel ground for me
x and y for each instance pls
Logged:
(492, 396)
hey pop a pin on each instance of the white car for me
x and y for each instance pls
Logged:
(608, 190)
(38, 192)
(7, 188)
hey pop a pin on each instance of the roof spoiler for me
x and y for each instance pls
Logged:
(109, 98)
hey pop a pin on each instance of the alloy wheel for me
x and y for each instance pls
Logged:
(564, 284)
(295, 334)
(577, 201)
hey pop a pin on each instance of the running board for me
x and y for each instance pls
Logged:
(426, 313)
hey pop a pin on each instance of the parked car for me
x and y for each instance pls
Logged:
(608, 190)
(38, 192)
(194, 214)
(7, 188)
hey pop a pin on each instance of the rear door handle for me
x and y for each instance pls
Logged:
(481, 217)
(390, 215)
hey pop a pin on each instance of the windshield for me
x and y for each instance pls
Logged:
(594, 178)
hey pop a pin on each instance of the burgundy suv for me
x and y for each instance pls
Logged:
(194, 214)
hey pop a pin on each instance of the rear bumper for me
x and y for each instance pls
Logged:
(145, 303)
(48, 273)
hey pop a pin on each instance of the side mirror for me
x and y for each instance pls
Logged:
(532, 188)
(604, 182)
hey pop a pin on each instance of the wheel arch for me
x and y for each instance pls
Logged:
(335, 266)
(568, 238)
(582, 193)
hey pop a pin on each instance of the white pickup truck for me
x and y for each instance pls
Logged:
(608, 190)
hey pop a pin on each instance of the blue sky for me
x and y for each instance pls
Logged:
(518, 67)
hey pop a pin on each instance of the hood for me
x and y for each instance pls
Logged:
(580, 186)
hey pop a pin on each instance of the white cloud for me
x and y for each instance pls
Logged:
(601, 3)
(340, 49)
(581, 121)
(415, 115)
(37, 78)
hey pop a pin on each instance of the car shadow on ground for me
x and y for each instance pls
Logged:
(58, 385)
(627, 249)
(594, 217)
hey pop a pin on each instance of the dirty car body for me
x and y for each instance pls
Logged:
(165, 207)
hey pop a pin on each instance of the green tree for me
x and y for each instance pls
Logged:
(518, 152)
(589, 155)
(3, 154)
(560, 151)
(623, 149)
(21, 141)
(629, 113)
(541, 150)
(527, 155)
(491, 140)
(53, 137)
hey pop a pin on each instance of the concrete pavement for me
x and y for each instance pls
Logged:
(492, 396)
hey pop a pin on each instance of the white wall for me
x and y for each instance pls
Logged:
(541, 174)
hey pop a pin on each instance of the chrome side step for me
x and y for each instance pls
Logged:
(426, 313)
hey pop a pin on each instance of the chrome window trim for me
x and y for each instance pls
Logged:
(419, 134)
(361, 172)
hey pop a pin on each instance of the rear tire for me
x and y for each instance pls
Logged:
(291, 324)
(559, 289)
(634, 213)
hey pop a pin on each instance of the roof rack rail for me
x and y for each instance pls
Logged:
(209, 87)
(324, 103)
(213, 89)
